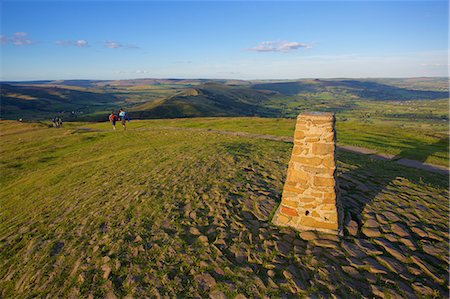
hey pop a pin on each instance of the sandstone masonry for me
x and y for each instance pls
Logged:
(310, 195)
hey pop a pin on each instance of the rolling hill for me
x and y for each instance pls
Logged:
(43, 101)
(172, 98)
(209, 99)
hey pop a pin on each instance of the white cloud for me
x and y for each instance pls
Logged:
(284, 46)
(117, 45)
(17, 39)
(81, 43)
(435, 64)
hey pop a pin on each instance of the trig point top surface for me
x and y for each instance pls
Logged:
(316, 115)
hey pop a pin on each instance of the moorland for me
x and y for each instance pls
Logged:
(180, 204)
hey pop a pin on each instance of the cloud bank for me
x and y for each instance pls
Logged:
(17, 39)
(284, 46)
(80, 43)
(118, 45)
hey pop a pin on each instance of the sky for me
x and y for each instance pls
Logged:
(215, 39)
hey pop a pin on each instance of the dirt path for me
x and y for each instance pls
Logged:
(348, 148)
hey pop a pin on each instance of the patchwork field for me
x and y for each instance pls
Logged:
(160, 211)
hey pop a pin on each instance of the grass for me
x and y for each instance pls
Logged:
(77, 202)
(425, 144)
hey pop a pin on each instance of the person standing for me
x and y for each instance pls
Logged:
(112, 120)
(123, 119)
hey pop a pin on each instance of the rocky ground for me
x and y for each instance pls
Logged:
(190, 215)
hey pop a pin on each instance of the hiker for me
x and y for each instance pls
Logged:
(123, 118)
(60, 122)
(112, 119)
(55, 122)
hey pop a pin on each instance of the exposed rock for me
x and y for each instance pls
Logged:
(392, 264)
(352, 228)
(216, 294)
(194, 231)
(325, 243)
(371, 232)
(368, 248)
(308, 235)
(106, 270)
(371, 223)
(203, 239)
(205, 281)
(422, 290)
(400, 230)
(390, 248)
(420, 232)
(375, 267)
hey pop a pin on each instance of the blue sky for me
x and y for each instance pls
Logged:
(214, 39)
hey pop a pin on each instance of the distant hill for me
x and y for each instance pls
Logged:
(44, 101)
(209, 99)
(361, 88)
(91, 100)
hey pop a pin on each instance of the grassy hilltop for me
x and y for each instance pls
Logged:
(158, 210)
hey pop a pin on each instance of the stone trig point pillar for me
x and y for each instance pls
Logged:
(309, 200)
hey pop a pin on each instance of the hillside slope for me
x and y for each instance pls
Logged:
(208, 100)
(88, 212)
(46, 101)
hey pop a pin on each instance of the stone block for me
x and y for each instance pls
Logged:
(322, 148)
(288, 211)
(324, 181)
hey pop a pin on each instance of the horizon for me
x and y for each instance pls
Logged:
(273, 79)
(118, 40)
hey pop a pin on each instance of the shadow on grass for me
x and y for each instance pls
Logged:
(362, 185)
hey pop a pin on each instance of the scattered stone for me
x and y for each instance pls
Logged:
(392, 264)
(399, 229)
(219, 271)
(325, 243)
(391, 216)
(353, 250)
(431, 250)
(408, 243)
(390, 248)
(371, 232)
(259, 283)
(138, 239)
(377, 291)
(355, 262)
(422, 290)
(420, 232)
(288, 274)
(203, 239)
(368, 248)
(205, 281)
(352, 228)
(351, 271)
(270, 273)
(391, 237)
(216, 294)
(371, 223)
(427, 269)
(375, 267)
(308, 235)
(381, 219)
(194, 231)
(106, 271)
